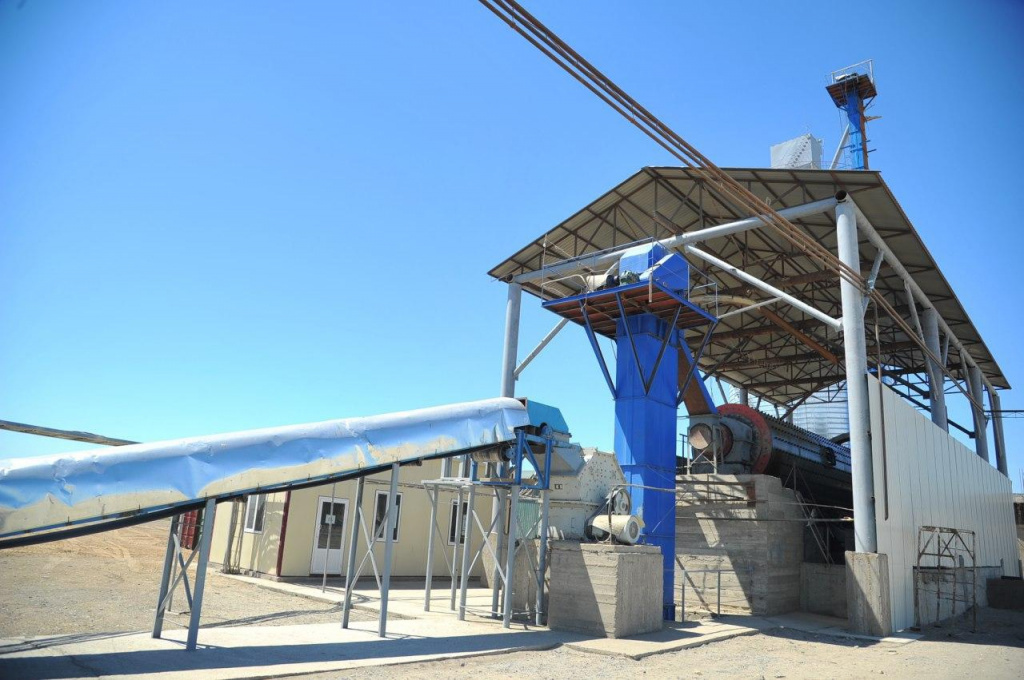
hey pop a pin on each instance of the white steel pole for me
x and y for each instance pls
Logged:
(997, 431)
(511, 349)
(936, 378)
(204, 560)
(855, 346)
(980, 421)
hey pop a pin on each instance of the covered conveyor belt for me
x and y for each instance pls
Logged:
(51, 497)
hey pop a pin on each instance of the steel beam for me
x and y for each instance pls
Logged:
(204, 560)
(869, 231)
(606, 258)
(936, 378)
(997, 431)
(980, 420)
(353, 545)
(767, 287)
(855, 348)
(540, 346)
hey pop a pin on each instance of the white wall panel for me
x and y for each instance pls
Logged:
(925, 477)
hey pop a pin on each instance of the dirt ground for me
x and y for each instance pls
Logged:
(997, 651)
(108, 583)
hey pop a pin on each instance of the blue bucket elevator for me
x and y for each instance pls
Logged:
(644, 309)
(852, 90)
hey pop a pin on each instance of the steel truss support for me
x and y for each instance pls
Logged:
(169, 581)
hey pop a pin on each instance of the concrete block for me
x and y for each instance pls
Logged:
(603, 589)
(867, 594)
(1005, 593)
(823, 589)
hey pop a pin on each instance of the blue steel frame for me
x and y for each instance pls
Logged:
(523, 453)
(646, 380)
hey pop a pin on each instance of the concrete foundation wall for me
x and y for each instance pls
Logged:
(750, 528)
(823, 589)
(602, 589)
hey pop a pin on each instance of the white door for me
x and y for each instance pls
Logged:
(329, 535)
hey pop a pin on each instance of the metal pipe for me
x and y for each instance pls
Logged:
(353, 546)
(607, 257)
(204, 560)
(389, 549)
(510, 558)
(980, 421)
(855, 348)
(540, 346)
(997, 431)
(744, 396)
(865, 227)
(428, 578)
(936, 379)
(508, 357)
(767, 287)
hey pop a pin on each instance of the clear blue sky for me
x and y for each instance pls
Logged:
(220, 216)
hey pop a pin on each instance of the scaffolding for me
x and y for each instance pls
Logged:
(950, 552)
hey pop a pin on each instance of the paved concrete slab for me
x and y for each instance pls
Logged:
(671, 638)
(263, 651)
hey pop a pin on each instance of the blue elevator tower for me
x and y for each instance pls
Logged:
(645, 310)
(852, 89)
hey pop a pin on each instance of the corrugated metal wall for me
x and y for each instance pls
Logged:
(925, 477)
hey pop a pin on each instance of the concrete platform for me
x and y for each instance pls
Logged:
(235, 653)
(262, 651)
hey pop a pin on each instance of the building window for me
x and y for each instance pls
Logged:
(255, 512)
(380, 515)
(452, 521)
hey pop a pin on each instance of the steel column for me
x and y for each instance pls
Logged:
(997, 431)
(542, 551)
(497, 521)
(353, 545)
(936, 378)
(510, 557)
(428, 577)
(455, 549)
(204, 560)
(466, 543)
(855, 348)
(980, 421)
(165, 579)
(511, 349)
(745, 396)
(389, 549)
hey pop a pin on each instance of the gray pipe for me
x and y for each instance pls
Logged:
(855, 347)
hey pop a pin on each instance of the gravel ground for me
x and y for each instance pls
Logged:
(108, 583)
(997, 651)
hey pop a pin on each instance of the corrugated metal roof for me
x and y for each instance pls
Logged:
(747, 348)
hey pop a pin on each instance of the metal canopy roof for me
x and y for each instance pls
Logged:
(777, 351)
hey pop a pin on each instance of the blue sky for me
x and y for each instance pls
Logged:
(220, 216)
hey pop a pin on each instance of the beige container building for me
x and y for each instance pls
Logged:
(296, 534)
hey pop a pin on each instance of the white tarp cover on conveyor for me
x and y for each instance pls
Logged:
(49, 492)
